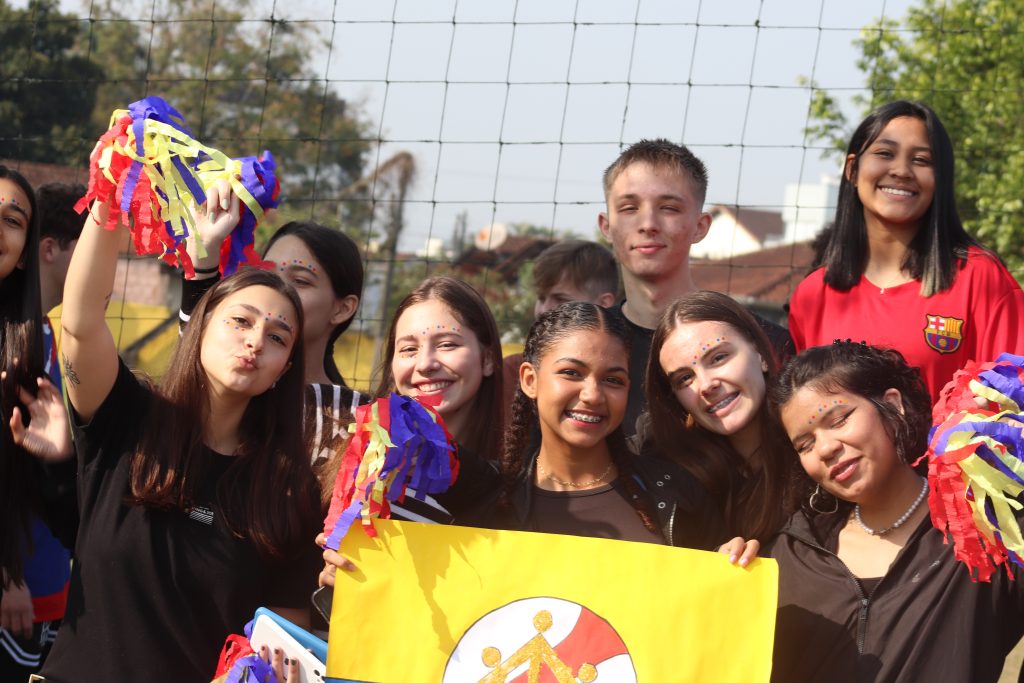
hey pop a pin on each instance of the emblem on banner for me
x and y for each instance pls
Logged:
(943, 333)
(540, 640)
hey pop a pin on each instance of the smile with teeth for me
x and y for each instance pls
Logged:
(440, 385)
(714, 408)
(584, 417)
(897, 191)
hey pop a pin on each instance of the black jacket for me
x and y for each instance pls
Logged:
(925, 621)
(684, 516)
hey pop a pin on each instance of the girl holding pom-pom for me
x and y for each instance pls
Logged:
(197, 498)
(326, 269)
(868, 589)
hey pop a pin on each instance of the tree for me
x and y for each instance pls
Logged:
(47, 91)
(243, 85)
(965, 58)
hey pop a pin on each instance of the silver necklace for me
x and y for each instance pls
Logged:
(899, 522)
(573, 484)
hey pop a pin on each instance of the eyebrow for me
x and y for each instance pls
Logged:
(295, 266)
(632, 196)
(717, 346)
(919, 148)
(440, 333)
(577, 361)
(275, 321)
(18, 208)
(821, 416)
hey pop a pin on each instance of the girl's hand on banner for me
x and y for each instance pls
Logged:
(332, 561)
(740, 552)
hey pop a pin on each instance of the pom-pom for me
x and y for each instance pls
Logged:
(148, 167)
(976, 464)
(397, 443)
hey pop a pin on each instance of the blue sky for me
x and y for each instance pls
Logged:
(513, 109)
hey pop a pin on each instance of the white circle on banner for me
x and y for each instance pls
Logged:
(570, 642)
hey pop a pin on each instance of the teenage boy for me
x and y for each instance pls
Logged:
(655, 195)
(571, 270)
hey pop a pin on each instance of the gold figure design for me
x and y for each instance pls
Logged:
(538, 652)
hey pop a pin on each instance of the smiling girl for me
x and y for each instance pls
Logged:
(197, 498)
(20, 340)
(868, 588)
(582, 479)
(443, 345)
(706, 384)
(899, 268)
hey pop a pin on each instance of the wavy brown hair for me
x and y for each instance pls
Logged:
(21, 357)
(753, 494)
(470, 309)
(269, 494)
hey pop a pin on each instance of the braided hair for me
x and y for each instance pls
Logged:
(550, 328)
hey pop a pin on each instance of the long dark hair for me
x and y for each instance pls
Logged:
(940, 243)
(269, 494)
(867, 371)
(340, 258)
(470, 309)
(754, 505)
(21, 339)
(546, 331)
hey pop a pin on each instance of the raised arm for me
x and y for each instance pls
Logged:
(214, 222)
(88, 353)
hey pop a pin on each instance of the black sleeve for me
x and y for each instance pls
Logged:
(116, 425)
(477, 481)
(294, 577)
(699, 521)
(59, 494)
(191, 292)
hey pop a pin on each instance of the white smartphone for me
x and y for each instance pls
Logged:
(267, 632)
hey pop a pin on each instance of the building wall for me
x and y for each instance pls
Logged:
(725, 238)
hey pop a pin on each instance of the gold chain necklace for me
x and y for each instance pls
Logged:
(573, 484)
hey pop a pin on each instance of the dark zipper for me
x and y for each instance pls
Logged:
(865, 601)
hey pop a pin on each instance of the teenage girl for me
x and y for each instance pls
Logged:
(197, 498)
(899, 270)
(706, 383)
(443, 343)
(326, 269)
(36, 499)
(582, 480)
(868, 588)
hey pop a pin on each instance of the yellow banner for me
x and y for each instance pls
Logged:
(442, 604)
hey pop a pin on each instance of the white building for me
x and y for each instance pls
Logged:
(738, 230)
(807, 207)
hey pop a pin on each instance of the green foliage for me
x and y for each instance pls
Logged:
(242, 86)
(46, 90)
(965, 58)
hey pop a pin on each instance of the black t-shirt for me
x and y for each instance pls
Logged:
(154, 593)
(640, 352)
(602, 512)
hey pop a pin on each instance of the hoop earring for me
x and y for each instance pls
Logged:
(818, 494)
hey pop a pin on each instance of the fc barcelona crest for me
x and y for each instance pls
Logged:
(943, 334)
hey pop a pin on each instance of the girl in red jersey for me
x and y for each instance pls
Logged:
(899, 269)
